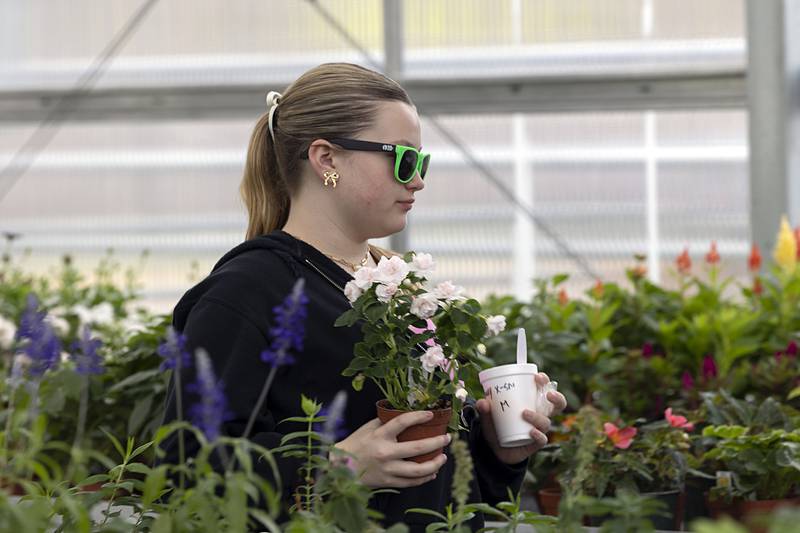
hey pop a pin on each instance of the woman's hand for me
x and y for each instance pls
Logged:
(379, 457)
(541, 425)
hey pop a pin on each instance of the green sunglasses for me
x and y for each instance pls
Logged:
(407, 159)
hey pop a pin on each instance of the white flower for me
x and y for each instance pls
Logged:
(423, 264)
(365, 277)
(392, 270)
(496, 323)
(432, 358)
(7, 332)
(461, 393)
(59, 324)
(103, 313)
(448, 292)
(424, 305)
(384, 292)
(352, 290)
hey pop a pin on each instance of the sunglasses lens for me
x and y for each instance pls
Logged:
(424, 170)
(408, 164)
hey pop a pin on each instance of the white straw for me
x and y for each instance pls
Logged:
(522, 347)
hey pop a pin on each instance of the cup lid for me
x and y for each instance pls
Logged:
(527, 369)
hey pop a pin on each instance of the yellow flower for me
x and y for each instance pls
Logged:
(785, 253)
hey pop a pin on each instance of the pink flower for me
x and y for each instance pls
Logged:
(393, 270)
(352, 291)
(423, 264)
(424, 305)
(677, 421)
(496, 324)
(384, 292)
(432, 358)
(621, 438)
(687, 380)
(448, 292)
(365, 277)
(430, 326)
(709, 367)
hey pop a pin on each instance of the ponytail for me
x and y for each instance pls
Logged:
(263, 189)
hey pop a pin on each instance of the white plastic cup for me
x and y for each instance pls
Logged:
(511, 389)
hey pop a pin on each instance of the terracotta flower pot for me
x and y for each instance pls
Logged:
(754, 513)
(436, 426)
(549, 500)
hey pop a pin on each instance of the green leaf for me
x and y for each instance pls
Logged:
(359, 363)
(139, 414)
(154, 484)
(138, 468)
(135, 379)
(724, 432)
(346, 319)
(309, 406)
(376, 312)
(140, 449)
(358, 382)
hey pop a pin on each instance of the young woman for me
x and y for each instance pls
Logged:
(335, 161)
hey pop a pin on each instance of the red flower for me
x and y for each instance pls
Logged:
(563, 299)
(712, 257)
(677, 421)
(684, 262)
(797, 240)
(758, 289)
(709, 367)
(598, 289)
(647, 350)
(687, 380)
(621, 438)
(791, 349)
(754, 261)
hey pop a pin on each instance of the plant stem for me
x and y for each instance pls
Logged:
(114, 492)
(82, 409)
(7, 434)
(179, 409)
(261, 398)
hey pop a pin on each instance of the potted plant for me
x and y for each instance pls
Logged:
(420, 344)
(763, 469)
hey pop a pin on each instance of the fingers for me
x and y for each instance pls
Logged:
(412, 470)
(558, 400)
(419, 447)
(541, 379)
(537, 420)
(483, 406)
(395, 426)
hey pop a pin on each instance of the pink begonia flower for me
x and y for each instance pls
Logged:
(423, 264)
(365, 277)
(352, 291)
(621, 438)
(709, 367)
(677, 421)
(384, 292)
(393, 270)
(424, 305)
(448, 292)
(687, 380)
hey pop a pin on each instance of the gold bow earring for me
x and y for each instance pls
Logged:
(331, 175)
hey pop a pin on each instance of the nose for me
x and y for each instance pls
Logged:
(416, 183)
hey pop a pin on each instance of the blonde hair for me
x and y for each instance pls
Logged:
(331, 100)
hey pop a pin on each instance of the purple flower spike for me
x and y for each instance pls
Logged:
(210, 411)
(687, 380)
(173, 350)
(41, 344)
(289, 327)
(709, 367)
(87, 360)
(333, 429)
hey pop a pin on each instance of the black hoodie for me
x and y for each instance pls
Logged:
(229, 314)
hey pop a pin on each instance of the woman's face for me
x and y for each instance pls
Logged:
(371, 201)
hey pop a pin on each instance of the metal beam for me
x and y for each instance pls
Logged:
(774, 112)
(440, 96)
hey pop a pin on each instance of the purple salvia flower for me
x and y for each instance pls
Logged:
(210, 411)
(332, 429)
(709, 367)
(173, 350)
(687, 380)
(289, 327)
(87, 360)
(41, 344)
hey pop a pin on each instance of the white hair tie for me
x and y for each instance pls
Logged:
(273, 99)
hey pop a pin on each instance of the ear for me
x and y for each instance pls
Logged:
(321, 156)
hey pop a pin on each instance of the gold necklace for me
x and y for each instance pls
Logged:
(352, 266)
